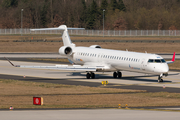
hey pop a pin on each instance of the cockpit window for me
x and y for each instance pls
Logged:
(156, 61)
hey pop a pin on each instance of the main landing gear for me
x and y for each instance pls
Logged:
(90, 75)
(117, 74)
(160, 78)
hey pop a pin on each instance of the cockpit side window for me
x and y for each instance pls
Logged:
(150, 60)
(163, 61)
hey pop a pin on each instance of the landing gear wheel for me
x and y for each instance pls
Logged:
(88, 76)
(115, 75)
(92, 75)
(119, 74)
(160, 78)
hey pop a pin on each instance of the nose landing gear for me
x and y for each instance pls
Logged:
(160, 78)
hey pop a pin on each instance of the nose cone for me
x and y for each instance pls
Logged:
(163, 68)
(166, 68)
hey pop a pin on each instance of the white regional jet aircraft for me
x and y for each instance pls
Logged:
(95, 59)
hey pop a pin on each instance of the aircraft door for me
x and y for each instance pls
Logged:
(143, 64)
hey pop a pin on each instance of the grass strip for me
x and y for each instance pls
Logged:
(19, 94)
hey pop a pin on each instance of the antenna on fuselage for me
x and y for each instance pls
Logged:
(146, 52)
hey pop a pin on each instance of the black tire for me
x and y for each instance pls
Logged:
(115, 75)
(92, 75)
(119, 75)
(88, 76)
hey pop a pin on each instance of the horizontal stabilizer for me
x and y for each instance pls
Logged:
(65, 36)
(62, 27)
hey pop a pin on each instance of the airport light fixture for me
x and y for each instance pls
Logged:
(103, 23)
(21, 20)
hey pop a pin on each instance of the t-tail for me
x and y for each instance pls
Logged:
(65, 36)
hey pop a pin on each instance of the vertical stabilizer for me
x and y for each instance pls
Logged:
(65, 36)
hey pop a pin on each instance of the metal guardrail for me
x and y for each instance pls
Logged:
(96, 32)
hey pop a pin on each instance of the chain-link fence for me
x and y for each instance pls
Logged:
(96, 32)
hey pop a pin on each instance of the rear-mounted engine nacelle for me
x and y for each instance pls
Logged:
(65, 50)
(95, 46)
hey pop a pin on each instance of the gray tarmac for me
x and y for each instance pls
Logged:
(31, 55)
(130, 80)
(89, 114)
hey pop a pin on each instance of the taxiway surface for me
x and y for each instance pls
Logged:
(130, 80)
(89, 114)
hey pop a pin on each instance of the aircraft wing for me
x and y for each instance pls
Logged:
(173, 59)
(63, 67)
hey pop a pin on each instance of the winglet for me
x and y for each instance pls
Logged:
(173, 58)
(11, 62)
